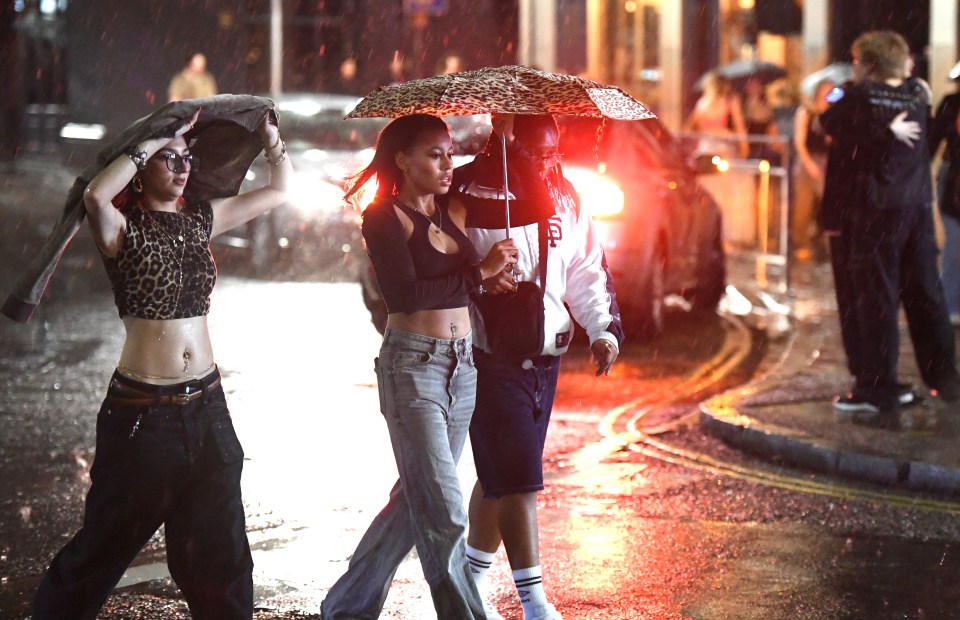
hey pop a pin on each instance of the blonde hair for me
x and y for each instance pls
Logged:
(719, 84)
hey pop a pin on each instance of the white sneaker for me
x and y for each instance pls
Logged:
(491, 610)
(546, 612)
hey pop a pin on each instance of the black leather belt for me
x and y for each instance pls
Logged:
(133, 397)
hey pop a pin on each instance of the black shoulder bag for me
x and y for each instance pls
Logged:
(514, 321)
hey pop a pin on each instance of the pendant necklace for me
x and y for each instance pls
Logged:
(173, 244)
(434, 227)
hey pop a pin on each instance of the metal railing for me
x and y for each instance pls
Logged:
(752, 188)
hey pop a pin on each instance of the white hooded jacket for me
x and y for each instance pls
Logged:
(576, 273)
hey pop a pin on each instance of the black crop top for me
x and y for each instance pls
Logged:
(155, 275)
(412, 274)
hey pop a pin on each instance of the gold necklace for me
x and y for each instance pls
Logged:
(173, 243)
(434, 227)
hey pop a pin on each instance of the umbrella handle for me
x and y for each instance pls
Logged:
(506, 185)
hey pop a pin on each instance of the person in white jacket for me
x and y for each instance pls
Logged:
(515, 393)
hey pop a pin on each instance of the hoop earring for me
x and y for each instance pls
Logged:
(137, 184)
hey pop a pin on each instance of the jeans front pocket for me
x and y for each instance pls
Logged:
(405, 358)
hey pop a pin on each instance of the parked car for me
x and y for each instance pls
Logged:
(315, 227)
(661, 232)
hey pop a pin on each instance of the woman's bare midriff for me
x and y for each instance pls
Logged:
(444, 324)
(164, 352)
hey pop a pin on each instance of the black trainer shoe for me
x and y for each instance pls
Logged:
(854, 404)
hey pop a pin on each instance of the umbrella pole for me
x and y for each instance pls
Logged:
(506, 185)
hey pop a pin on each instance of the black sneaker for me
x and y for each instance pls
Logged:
(854, 404)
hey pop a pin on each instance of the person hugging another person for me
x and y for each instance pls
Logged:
(888, 252)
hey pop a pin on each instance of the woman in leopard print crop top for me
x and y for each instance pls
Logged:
(166, 451)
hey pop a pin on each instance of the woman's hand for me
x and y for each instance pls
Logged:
(501, 282)
(187, 126)
(905, 131)
(501, 254)
(503, 126)
(268, 131)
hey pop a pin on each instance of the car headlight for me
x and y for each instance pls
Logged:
(599, 195)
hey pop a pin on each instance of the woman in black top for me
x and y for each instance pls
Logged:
(427, 270)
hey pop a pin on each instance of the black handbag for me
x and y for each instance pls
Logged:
(514, 321)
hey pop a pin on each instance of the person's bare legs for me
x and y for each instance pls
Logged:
(511, 519)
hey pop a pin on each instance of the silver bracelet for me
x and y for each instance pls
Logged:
(281, 157)
(137, 156)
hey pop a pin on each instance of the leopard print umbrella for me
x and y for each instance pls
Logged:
(505, 90)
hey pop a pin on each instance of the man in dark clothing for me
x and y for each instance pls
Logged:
(887, 250)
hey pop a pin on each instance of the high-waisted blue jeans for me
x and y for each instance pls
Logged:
(427, 392)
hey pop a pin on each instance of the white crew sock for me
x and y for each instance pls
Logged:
(479, 563)
(530, 590)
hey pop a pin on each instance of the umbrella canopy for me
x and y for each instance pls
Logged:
(739, 71)
(838, 73)
(501, 90)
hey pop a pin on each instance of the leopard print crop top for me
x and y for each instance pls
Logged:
(164, 268)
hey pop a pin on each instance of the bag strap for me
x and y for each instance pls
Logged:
(542, 227)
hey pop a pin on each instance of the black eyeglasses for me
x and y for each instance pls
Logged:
(546, 157)
(175, 162)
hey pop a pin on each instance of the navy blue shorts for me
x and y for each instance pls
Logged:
(510, 421)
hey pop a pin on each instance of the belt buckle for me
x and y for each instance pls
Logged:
(183, 397)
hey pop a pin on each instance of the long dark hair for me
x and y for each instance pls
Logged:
(399, 135)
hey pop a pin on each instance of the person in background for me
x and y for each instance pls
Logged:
(887, 227)
(427, 271)
(397, 69)
(450, 62)
(193, 82)
(760, 122)
(946, 128)
(347, 82)
(718, 114)
(515, 396)
(166, 451)
(811, 144)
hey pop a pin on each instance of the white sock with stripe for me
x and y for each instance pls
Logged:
(529, 583)
(479, 563)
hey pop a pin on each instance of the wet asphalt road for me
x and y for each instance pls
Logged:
(641, 531)
(625, 534)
